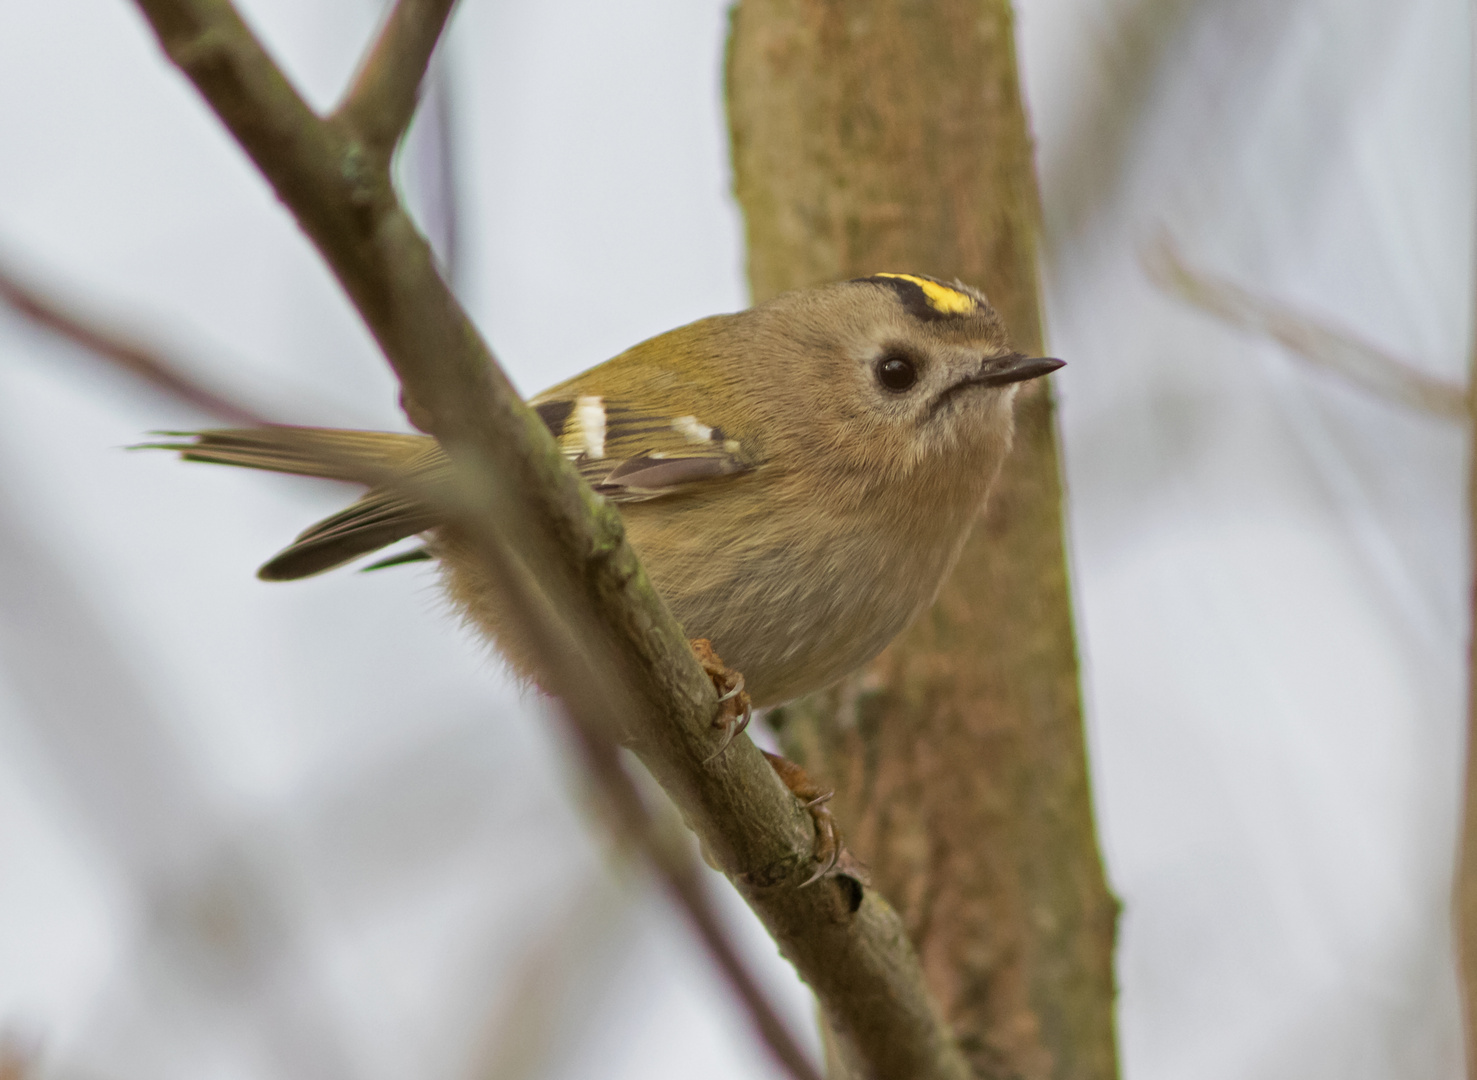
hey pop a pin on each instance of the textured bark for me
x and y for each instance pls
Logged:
(884, 135)
(1464, 899)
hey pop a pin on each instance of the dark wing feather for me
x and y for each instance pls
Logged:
(631, 453)
(375, 521)
(641, 455)
(649, 478)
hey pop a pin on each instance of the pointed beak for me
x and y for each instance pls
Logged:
(1001, 371)
(1016, 368)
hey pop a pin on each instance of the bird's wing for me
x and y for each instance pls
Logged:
(630, 453)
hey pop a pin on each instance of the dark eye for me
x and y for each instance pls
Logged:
(896, 372)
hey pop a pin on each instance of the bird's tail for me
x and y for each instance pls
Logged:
(383, 516)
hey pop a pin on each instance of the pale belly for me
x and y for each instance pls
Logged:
(791, 620)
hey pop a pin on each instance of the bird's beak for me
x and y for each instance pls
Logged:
(1016, 368)
(1001, 371)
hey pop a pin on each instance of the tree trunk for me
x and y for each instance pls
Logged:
(887, 135)
(1464, 898)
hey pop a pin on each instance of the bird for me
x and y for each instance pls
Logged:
(797, 478)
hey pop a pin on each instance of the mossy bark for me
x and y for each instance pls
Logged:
(886, 135)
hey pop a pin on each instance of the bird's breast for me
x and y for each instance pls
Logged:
(793, 596)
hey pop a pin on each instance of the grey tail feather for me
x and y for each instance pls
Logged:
(330, 453)
(379, 519)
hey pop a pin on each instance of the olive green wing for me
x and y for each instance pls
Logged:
(626, 453)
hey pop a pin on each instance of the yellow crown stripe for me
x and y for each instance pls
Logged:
(941, 298)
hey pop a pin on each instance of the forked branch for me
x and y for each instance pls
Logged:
(383, 97)
(848, 945)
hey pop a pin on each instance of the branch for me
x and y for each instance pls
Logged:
(591, 718)
(1356, 361)
(849, 946)
(132, 357)
(382, 100)
(571, 676)
(586, 711)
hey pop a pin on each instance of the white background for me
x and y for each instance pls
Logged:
(250, 830)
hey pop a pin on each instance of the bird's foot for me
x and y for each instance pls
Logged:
(734, 712)
(734, 707)
(828, 847)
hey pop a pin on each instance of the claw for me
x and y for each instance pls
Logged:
(828, 847)
(733, 718)
(828, 844)
(735, 728)
(738, 689)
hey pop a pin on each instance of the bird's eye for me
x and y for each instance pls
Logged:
(896, 372)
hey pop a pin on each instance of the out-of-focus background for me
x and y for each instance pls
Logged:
(253, 830)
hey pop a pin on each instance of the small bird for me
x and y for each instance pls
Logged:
(797, 478)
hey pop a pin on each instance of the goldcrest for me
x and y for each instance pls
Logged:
(797, 478)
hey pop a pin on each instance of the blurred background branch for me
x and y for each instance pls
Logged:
(1319, 343)
(1399, 382)
(111, 345)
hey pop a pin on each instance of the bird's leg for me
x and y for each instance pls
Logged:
(734, 711)
(734, 706)
(827, 851)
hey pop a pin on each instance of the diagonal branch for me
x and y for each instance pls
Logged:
(1356, 361)
(571, 675)
(847, 944)
(383, 97)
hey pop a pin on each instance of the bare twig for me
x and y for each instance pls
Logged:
(1320, 344)
(1397, 380)
(383, 97)
(133, 357)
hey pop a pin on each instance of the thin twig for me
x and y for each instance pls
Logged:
(849, 946)
(384, 94)
(133, 357)
(1319, 343)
